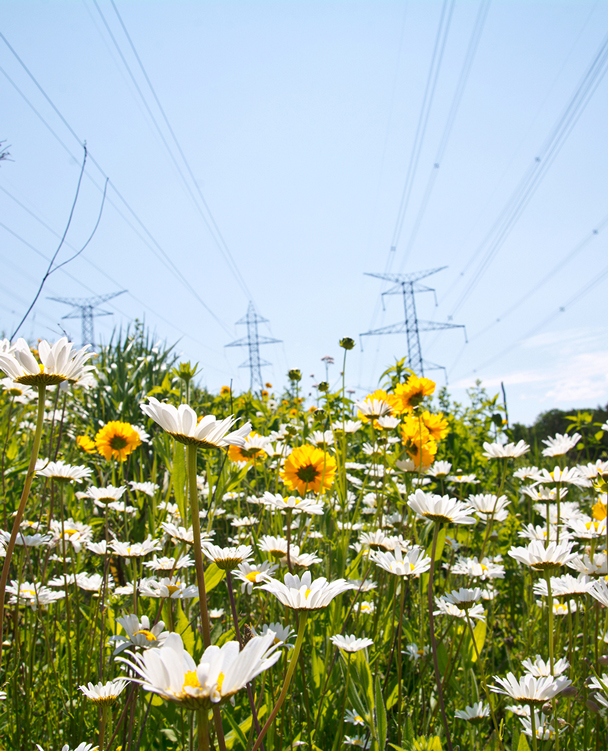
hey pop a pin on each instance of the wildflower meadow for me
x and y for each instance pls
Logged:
(186, 571)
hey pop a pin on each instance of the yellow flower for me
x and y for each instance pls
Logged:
(308, 468)
(86, 444)
(418, 441)
(225, 391)
(117, 440)
(409, 395)
(437, 425)
(600, 511)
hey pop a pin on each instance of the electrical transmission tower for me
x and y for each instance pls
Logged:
(407, 285)
(84, 308)
(253, 341)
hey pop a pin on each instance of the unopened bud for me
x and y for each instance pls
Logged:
(294, 375)
(603, 660)
(547, 708)
(347, 343)
(323, 386)
(591, 705)
(569, 693)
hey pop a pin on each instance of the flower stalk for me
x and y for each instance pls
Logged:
(303, 616)
(31, 471)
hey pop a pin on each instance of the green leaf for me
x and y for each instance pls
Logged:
(238, 732)
(179, 477)
(479, 632)
(184, 629)
(523, 743)
(213, 576)
(381, 724)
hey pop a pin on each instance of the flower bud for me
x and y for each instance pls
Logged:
(347, 343)
(294, 375)
(603, 660)
(591, 705)
(323, 387)
(569, 693)
(547, 708)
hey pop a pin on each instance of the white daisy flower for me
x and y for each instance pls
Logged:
(350, 643)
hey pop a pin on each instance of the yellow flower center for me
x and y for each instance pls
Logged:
(191, 679)
(70, 532)
(252, 576)
(484, 567)
(148, 634)
(172, 588)
(30, 592)
(412, 567)
(220, 681)
(308, 591)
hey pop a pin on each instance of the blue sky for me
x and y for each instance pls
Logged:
(300, 123)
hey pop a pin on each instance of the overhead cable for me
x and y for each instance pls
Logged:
(458, 94)
(535, 173)
(204, 210)
(155, 247)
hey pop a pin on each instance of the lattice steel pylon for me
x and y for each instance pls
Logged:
(407, 285)
(84, 308)
(253, 341)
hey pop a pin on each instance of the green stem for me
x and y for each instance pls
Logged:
(433, 641)
(202, 730)
(20, 511)
(290, 671)
(196, 536)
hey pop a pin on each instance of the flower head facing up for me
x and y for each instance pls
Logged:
(227, 558)
(414, 563)
(104, 694)
(441, 509)
(254, 449)
(57, 363)
(170, 671)
(505, 450)
(301, 593)
(530, 689)
(378, 404)
(60, 471)
(560, 444)
(184, 425)
(350, 643)
(139, 633)
(308, 468)
(116, 440)
(543, 559)
(475, 714)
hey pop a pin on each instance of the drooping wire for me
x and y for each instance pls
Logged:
(209, 218)
(153, 244)
(458, 94)
(579, 295)
(423, 118)
(535, 173)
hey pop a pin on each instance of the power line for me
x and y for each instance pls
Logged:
(582, 292)
(425, 110)
(451, 119)
(535, 173)
(99, 270)
(155, 247)
(209, 219)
